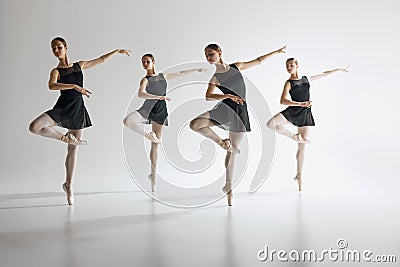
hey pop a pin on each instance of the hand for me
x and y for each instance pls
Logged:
(83, 91)
(125, 52)
(345, 69)
(236, 99)
(165, 98)
(202, 70)
(306, 104)
(282, 50)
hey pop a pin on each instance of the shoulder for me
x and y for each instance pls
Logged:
(144, 80)
(288, 84)
(234, 65)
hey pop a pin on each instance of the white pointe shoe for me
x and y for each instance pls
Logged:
(71, 139)
(69, 192)
(153, 137)
(298, 180)
(152, 182)
(227, 189)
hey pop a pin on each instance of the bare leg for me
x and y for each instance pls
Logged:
(43, 126)
(157, 129)
(70, 164)
(277, 122)
(301, 150)
(235, 138)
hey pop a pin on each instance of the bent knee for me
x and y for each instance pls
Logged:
(125, 121)
(271, 124)
(194, 125)
(34, 127)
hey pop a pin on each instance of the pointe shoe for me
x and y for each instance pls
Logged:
(227, 145)
(153, 182)
(299, 139)
(153, 137)
(70, 139)
(298, 180)
(229, 194)
(69, 192)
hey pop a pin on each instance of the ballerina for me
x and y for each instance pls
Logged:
(153, 88)
(231, 113)
(69, 112)
(296, 95)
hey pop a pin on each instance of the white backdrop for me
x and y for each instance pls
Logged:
(356, 139)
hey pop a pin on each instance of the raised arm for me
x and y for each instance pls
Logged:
(326, 73)
(210, 95)
(142, 93)
(54, 85)
(259, 60)
(103, 58)
(287, 100)
(169, 76)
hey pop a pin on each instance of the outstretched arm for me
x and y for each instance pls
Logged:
(287, 100)
(326, 73)
(259, 60)
(142, 93)
(210, 95)
(169, 76)
(103, 58)
(54, 85)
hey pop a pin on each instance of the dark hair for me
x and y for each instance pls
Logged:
(214, 47)
(292, 59)
(148, 55)
(62, 40)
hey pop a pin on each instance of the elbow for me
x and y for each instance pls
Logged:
(140, 94)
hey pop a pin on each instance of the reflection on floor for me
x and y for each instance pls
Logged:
(131, 229)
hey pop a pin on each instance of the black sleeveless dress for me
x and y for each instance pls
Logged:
(300, 92)
(69, 111)
(154, 109)
(227, 114)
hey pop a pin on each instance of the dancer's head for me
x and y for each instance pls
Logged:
(59, 47)
(148, 62)
(213, 53)
(292, 65)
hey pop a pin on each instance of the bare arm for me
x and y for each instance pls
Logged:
(142, 93)
(287, 100)
(210, 95)
(103, 58)
(169, 76)
(54, 85)
(259, 60)
(326, 73)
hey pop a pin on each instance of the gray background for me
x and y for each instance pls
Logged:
(356, 138)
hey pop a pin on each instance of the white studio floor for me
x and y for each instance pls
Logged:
(130, 229)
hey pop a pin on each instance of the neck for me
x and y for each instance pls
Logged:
(221, 67)
(63, 62)
(294, 76)
(151, 72)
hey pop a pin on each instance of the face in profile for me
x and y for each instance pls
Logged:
(212, 56)
(58, 48)
(147, 63)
